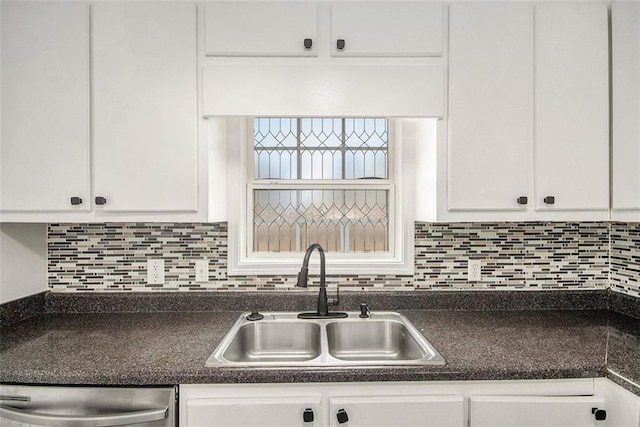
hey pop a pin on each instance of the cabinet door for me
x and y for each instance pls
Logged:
(626, 105)
(145, 106)
(534, 411)
(409, 411)
(252, 412)
(572, 107)
(44, 149)
(254, 29)
(490, 105)
(387, 29)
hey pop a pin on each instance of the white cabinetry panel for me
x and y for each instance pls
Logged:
(255, 62)
(533, 411)
(567, 402)
(251, 412)
(527, 126)
(290, 87)
(257, 29)
(572, 106)
(490, 105)
(145, 120)
(626, 107)
(44, 150)
(387, 29)
(391, 411)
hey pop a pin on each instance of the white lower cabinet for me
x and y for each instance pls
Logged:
(285, 411)
(524, 411)
(580, 402)
(318, 405)
(254, 411)
(391, 411)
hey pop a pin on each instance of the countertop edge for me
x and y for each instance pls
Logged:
(253, 376)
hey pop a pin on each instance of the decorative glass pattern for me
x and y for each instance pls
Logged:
(340, 220)
(321, 148)
(347, 157)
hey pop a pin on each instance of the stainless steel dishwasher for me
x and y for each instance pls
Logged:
(87, 406)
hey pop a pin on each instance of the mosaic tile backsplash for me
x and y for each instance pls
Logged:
(558, 255)
(625, 258)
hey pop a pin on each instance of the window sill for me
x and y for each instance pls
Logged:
(335, 265)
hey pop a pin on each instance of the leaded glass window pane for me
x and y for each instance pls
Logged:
(340, 220)
(320, 148)
(288, 217)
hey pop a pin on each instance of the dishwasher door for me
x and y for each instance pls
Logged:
(87, 406)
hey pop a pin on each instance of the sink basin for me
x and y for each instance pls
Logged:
(282, 340)
(373, 340)
(274, 341)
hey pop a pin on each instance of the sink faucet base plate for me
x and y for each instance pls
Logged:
(330, 315)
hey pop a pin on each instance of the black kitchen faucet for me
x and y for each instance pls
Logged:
(323, 301)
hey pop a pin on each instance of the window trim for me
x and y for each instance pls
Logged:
(401, 229)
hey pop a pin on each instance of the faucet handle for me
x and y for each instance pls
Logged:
(334, 301)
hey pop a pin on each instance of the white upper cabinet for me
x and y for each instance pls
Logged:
(626, 110)
(490, 105)
(572, 107)
(145, 100)
(528, 134)
(387, 29)
(44, 150)
(292, 29)
(256, 62)
(278, 29)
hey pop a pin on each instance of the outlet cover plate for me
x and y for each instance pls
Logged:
(202, 270)
(474, 270)
(155, 271)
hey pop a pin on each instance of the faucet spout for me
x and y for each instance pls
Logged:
(303, 276)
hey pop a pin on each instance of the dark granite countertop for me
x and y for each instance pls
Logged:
(171, 348)
(165, 338)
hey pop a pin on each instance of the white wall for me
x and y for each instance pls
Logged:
(23, 260)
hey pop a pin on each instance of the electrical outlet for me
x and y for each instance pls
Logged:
(474, 270)
(202, 270)
(155, 271)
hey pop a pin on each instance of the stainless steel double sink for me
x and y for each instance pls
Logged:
(282, 340)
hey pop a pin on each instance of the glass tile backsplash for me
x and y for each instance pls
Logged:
(527, 255)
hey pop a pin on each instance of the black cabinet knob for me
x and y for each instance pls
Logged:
(600, 414)
(523, 200)
(340, 44)
(342, 416)
(75, 200)
(307, 415)
(549, 200)
(308, 43)
(101, 200)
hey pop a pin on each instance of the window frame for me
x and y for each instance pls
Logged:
(242, 260)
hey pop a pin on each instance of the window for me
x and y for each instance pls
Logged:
(334, 181)
(321, 180)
